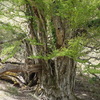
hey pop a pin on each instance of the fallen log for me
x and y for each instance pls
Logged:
(26, 69)
(20, 68)
(13, 79)
(11, 68)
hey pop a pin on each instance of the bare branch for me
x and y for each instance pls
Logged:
(13, 77)
(20, 68)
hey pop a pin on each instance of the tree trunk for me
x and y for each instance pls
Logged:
(58, 74)
(58, 81)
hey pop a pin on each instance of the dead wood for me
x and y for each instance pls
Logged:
(10, 62)
(20, 68)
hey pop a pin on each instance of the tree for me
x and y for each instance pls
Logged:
(58, 31)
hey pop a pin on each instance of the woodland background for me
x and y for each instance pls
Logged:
(51, 48)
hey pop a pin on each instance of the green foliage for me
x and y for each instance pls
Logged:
(9, 50)
(92, 80)
(94, 23)
(11, 27)
(93, 69)
(74, 50)
(78, 12)
(75, 46)
(95, 66)
(34, 42)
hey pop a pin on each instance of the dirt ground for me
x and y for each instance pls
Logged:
(86, 89)
(10, 92)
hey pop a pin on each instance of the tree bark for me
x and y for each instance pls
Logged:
(58, 82)
(57, 77)
(20, 68)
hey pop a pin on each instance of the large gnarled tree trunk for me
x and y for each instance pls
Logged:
(59, 84)
(58, 74)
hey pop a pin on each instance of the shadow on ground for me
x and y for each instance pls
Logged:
(85, 89)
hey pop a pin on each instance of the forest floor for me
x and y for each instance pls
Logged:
(10, 92)
(86, 89)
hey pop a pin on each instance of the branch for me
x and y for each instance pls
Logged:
(11, 68)
(18, 63)
(20, 68)
(13, 77)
